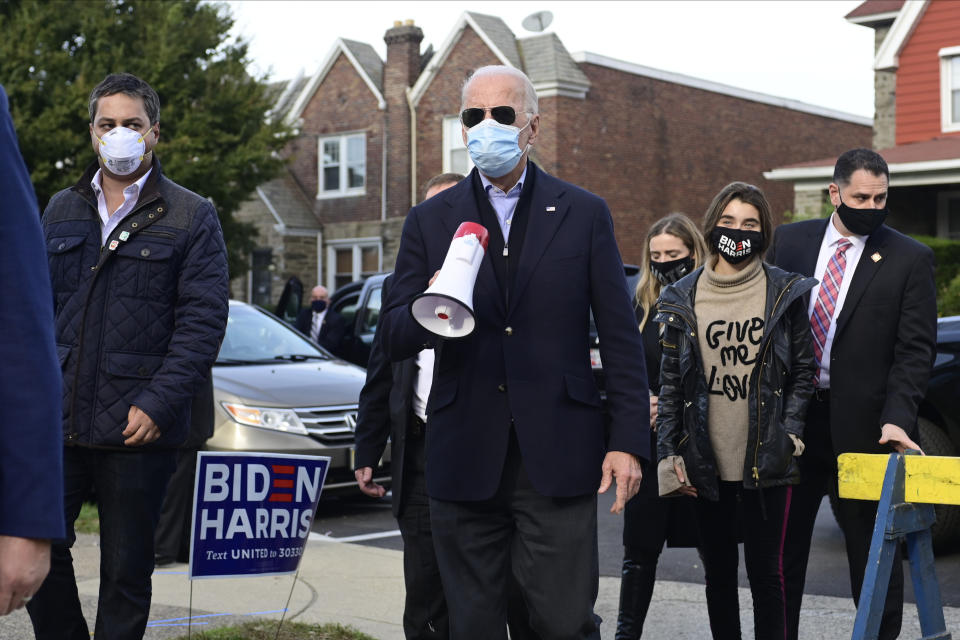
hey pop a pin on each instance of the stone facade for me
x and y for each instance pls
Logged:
(885, 99)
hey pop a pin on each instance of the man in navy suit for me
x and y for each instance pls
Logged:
(325, 326)
(516, 443)
(31, 492)
(874, 322)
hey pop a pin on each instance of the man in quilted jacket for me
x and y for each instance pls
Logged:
(139, 273)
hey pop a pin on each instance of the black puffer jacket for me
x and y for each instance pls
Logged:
(781, 384)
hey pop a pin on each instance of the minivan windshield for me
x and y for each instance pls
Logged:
(254, 337)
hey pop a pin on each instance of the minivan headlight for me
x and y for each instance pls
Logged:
(266, 418)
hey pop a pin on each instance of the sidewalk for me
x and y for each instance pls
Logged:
(362, 586)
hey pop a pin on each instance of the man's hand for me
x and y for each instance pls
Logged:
(434, 278)
(897, 438)
(141, 429)
(654, 401)
(364, 476)
(24, 563)
(626, 470)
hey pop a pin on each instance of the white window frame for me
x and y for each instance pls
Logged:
(943, 211)
(357, 244)
(343, 191)
(947, 55)
(453, 141)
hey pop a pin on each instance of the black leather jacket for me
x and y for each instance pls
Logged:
(780, 387)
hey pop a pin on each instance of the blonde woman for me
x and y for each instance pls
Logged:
(673, 248)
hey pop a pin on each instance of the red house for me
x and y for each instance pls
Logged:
(371, 132)
(917, 120)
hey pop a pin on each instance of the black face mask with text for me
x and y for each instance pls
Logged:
(736, 245)
(862, 222)
(672, 270)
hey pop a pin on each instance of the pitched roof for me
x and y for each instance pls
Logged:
(286, 92)
(364, 59)
(888, 54)
(286, 202)
(367, 56)
(550, 68)
(874, 11)
(499, 34)
(905, 161)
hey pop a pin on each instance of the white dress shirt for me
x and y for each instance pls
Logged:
(827, 248)
(423, 380)
(504, 203)
(130, 196)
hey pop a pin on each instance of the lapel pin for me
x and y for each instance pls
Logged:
(114, 244)
(876, 257)
(551, 209)
(124, 235)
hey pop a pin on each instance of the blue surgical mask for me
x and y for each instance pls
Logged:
(494, 147)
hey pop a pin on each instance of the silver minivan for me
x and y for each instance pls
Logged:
(276, 391)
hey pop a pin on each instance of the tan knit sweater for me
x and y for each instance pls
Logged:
(729, 311)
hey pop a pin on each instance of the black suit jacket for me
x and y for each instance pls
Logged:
(885, 339)
(333, 331)
(386, 407)
(525, 366)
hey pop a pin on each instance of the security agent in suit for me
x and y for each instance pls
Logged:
(875, 350)
(325, 326)
(516, 447)
(31, 453)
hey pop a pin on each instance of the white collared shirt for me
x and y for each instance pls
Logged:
(423, 380)
(827, 248)
(130, 196)
(504, 203)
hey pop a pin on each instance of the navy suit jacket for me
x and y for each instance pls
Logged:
(31, 438)
(526, 365)
(885, 340)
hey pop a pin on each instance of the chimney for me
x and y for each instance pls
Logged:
(399, 73)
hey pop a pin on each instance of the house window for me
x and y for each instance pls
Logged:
(948, 214)
(455, 156)
(950, 89)
(354, 259)
(343, 165)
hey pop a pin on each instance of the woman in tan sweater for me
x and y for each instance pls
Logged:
(736, 375)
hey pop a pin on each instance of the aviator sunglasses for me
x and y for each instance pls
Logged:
(474, 115)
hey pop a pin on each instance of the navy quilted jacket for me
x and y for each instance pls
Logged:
(140, 323)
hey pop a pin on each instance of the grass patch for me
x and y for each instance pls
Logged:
(267, 630)
(89, 520)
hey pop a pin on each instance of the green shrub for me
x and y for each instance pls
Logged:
(267, 629)
(947, 255)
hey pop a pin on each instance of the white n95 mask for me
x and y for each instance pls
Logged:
(122, 150)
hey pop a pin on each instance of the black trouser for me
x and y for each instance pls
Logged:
(172, 541)
(129, 487)
(425, 609)
(761, 516)
(549, 545)
(818, 477)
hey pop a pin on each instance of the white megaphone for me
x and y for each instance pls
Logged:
(446, 308)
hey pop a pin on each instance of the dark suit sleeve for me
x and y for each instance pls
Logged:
(916, 345)
(31, 432)
(373, 419)
(402, 336)
(333, 337)
(621, 348)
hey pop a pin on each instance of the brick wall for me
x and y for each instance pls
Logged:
(399, 73)
(342, 103)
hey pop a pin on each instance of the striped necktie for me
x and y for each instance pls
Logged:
(826, 303)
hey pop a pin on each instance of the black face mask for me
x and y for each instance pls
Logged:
(672, 270)
(862, 222)
(318, 305)
(736, 245)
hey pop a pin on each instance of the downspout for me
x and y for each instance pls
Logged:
(413, 148)
(383, 173)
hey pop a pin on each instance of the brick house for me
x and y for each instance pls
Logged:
(372, 132)
(917, 120)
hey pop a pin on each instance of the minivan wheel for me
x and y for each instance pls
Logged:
(946, 530)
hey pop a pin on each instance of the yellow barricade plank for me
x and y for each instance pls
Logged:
(928, 479)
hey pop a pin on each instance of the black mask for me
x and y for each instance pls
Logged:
(318, 305)
(736, 245)
(862, 222)
(672, 270)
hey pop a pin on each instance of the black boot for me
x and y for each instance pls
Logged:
(636, 588)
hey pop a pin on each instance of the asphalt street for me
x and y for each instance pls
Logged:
(370, 522)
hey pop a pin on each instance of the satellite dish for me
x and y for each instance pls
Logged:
(538, 21)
